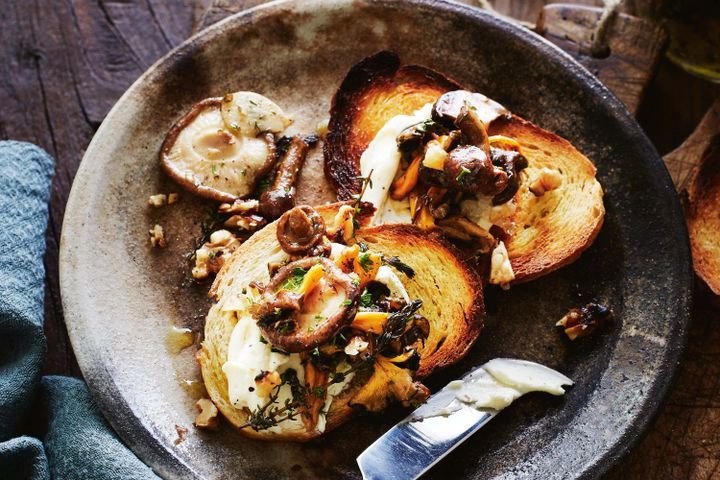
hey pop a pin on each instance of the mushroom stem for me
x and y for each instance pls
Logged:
(280, 197)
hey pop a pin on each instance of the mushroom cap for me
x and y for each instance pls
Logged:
(300, 229)
(324, 311)
(447, 108)
(208, 158)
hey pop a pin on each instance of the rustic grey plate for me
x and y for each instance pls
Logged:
(120, 296)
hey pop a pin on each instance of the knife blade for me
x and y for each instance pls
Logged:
(447, 419)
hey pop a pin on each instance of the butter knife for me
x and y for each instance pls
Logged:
(451, 415)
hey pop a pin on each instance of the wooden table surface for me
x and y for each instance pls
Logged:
(65, 63)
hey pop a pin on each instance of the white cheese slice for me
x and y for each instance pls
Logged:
(382, 158)
(387, 277)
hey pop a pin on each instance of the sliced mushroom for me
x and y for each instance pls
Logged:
(414, 135)
(473, 129)
(296, 320)
(468, 231)
(249, 114)
(389, 383)
(446, 109)
(208, 158)
(280, 197)
(300, 229)
(510, 162)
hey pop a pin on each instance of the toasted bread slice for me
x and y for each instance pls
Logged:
(455, 320)
(551, 230)
(703, 217)
(374, 91)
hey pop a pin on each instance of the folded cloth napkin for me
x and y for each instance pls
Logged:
(69, 438)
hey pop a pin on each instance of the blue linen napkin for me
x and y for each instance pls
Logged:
(73, 440)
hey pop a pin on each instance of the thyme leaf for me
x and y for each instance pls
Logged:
(395, 261)
(396, 323)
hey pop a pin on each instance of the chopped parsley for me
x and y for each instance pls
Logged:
(423, 127)
(462, 174)
(365, 261)
(263, 184)
(214, 171)
(366, 299)
(294, 280)
(347, 302)
(286, 327)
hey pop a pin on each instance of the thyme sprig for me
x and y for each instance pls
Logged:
(396, 323)
(395, 261)
(273, 413)
(213, 221)
(365, 182)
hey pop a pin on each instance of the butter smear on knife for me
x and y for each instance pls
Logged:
(501, 381)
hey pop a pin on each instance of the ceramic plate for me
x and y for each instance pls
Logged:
(121, 297)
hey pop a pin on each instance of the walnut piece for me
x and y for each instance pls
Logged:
(158, 200)
(240, 206)
(214, 253)
(546, 181)
(207, 416)
(356, 345)
(157, 237)
(245, 222)
(579, 322)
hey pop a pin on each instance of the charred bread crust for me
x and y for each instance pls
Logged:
(551, 233)
(374, 91)
(546, 237)
(439, 269)
(703, 217)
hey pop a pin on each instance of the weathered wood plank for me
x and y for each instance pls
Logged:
(64, 67)
(684, 160)
(684, 441)
(634, 46)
